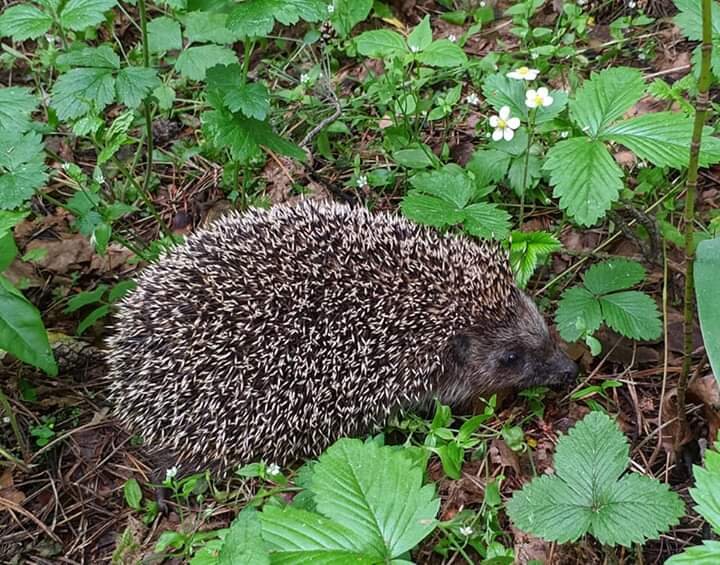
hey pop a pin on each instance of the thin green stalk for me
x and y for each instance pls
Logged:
(689, 215)
(5, 404)
(146, 103)
(531, 131)
(143, 195)
(248, 47)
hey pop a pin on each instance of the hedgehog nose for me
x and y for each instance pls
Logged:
(570, 372)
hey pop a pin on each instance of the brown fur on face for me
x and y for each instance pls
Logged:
(515, 353)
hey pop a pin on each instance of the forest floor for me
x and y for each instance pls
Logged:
(64, 502)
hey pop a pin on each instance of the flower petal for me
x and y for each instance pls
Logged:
(513, 123)
(530, 93)
(542, 91)
(531, 103)
(508, 134)
(494, 121)
(505, 113)
(497, 135)
(548, 101)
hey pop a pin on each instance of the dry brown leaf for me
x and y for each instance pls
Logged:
(501, 454)
(62, 255)
(529, 547)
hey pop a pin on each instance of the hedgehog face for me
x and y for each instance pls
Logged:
(518, 353)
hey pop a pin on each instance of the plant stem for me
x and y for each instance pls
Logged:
(5, 404)
(689, 215)
(146, 102)
(248, 46)
(531, 131)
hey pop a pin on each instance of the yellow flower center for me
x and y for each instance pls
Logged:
(538, 100)
(523, 71)
(502, 124)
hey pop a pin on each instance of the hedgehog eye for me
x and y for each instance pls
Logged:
(509, 359)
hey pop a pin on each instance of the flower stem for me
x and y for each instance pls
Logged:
(531, 132)
(689, 215)
(148, 120)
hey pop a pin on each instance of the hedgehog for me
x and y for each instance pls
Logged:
(272, 333)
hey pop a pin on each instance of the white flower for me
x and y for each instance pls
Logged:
(6, 419)
(361, 181)
(564, 134)
(414, 48)
(170, 473)
(523, 73)
(273, 469)
(452, 37)
(483, 4)
(631, 4)
(304, 78)
(534, 55)
(472, 99)
(466, 531)
(331, 9)
(504, 125)
(538, 98)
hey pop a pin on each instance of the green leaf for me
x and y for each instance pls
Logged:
(164, 34)
(134, 84)
(24, 21)
(243, 136)
(22, 167)
(165, 96)
(489, 166)
(501, 91)
(431, 210)
(349, 13)
(296, 536)
(78, 91)
(100, 57)
(689, 20)
(16, 105)
(243, 544)
(612, 275)
(208, 27)
(133, 494)
(21, 329)
(252, 99)
(84, 298)
(664, 139)
(450, 183)
(587, 494)
(605, 97)
(706, 554)
(78, 15)
(380, 43)
(397, 511)
(443, 53)
(707, 275)
(632, 313)
(486, 220)
(526, 250)
(256, 18)
(92, 317)
(418, 157)
(578, 313)
(586, 178)
(193, 62)
(8, 250)
(705, 493)
(421, 36)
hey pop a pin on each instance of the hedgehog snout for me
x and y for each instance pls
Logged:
(563, 370)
